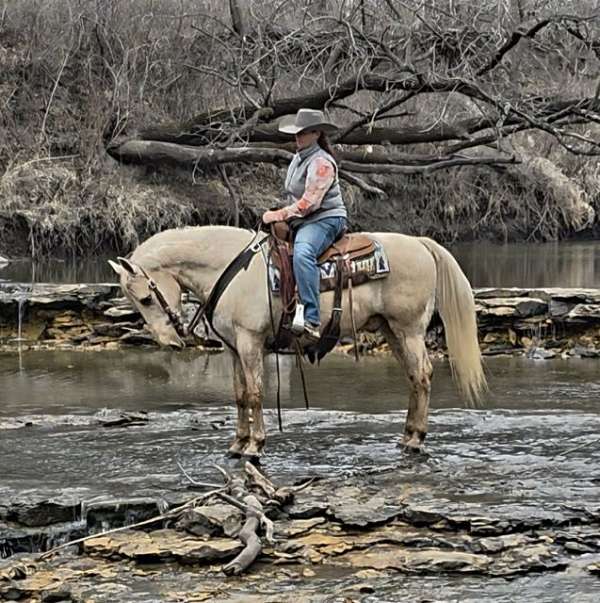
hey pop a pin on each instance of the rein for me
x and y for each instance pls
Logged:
(173, 316)
(206, 311)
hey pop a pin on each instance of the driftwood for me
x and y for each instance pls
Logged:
(253, 510)
(250, 493)
(247, 493)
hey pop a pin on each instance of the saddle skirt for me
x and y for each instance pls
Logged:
(365, 259)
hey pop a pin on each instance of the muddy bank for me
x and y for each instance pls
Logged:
(541, 323)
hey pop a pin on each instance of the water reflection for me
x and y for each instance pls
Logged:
(59, 382)
(84, 270)
(573, 264)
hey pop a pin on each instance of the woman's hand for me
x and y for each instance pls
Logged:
(271, 216)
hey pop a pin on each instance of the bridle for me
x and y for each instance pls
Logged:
(206, 311)
(174, 317)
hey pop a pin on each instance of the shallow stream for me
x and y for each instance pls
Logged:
(528, 453)
(528, 265)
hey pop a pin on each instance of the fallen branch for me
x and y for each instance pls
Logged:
(173, 513)
(145, 152)
(248, 534)
(361, 184)
(249, 509)
(240, 497)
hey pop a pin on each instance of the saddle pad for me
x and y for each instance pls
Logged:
(374, 265)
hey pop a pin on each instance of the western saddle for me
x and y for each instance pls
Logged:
(349, 245)
(342, 251)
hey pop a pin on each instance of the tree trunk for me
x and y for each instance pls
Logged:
(237, 18)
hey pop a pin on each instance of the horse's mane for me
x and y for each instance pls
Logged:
(197, 244)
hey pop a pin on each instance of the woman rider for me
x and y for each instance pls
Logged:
(317, 214)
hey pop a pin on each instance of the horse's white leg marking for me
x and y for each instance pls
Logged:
(251, 358)
(411, 351)
(242, 434)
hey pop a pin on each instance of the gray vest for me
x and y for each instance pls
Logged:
(295, 183)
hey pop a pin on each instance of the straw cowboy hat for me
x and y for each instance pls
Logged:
(306, 119)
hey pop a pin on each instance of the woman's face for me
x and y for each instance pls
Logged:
(307, 137)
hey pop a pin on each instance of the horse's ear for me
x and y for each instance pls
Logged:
(116, 267)
(131, 268)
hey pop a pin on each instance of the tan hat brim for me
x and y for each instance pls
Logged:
(288, 126)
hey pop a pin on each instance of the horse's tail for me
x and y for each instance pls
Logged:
(455, 303)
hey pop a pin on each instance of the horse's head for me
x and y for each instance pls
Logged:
(135, 283)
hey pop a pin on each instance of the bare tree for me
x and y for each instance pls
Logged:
(477, 80)
(417, 86)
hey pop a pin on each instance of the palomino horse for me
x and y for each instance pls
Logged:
(423, 276)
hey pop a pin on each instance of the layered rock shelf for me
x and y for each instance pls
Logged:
(367, 529)
(541, 323)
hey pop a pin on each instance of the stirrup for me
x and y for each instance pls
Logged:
(312, 333)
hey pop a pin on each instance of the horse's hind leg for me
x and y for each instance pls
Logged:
(409, 348)
(242, 432)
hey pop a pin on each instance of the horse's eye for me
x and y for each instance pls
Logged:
(146, 301)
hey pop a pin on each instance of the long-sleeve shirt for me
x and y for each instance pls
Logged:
(319, 178)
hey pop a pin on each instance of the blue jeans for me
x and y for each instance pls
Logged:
(311, 241)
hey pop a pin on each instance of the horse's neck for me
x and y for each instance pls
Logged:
(195, 257)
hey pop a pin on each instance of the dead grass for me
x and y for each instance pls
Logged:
(61, 214)
(55, 210)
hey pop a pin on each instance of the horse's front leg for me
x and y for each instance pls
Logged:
(242, 432)
(250, 348)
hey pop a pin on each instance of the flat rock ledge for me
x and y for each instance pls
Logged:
(540, 323)
(367, 528)
(88, 316)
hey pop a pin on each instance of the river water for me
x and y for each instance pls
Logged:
(530, 449)
(527, 452)
(572, 264)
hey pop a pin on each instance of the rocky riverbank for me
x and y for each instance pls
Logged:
(503, 505)
(351, 537)
(541, 323)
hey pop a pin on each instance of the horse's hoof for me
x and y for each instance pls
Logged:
(254, 459)
(236, 450)
(412, 444)
(411, 449)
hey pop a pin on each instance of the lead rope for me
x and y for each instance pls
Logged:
(300, 364)
(267, 261)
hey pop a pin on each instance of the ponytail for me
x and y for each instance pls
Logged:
(324, 142)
